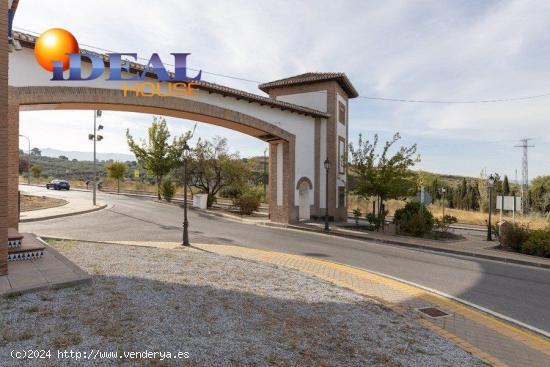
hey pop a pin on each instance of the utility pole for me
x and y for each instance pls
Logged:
(524, 143)
(95, 138)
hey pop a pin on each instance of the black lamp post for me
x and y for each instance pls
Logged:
(443, 190)
(490, 184)
(186, 152)
(327, 167)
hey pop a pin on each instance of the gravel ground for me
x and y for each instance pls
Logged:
(222, 311)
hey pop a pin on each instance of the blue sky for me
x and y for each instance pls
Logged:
(436, 50)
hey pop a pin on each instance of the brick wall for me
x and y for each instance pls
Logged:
(3, 143)
(13, 165)
(288, 212)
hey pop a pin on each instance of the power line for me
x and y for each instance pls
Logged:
(374, 98)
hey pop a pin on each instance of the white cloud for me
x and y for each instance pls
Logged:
(416, 50)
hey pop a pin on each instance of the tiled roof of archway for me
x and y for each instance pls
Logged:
(309, 78)
(28, 40)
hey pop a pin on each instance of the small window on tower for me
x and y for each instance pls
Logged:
(342, 113)
(341, 196)
(341, 155)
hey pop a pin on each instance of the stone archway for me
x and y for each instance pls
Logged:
(281, 142)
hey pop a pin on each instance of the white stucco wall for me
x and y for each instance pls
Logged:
(316, 100)
(25, 71)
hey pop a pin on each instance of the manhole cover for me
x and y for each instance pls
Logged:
(433, 312)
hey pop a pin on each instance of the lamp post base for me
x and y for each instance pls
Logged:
(185, 235)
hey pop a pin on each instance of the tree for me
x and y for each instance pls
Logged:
(36, 171)
(539, 193)
(116, 171)
(213, 168)
(63, 158)
(36, 152)
(383, 175)
(505, 186)
(157, 155)
(23, 166)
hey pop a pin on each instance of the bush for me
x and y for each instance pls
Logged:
(372, 218)
(231, 192)
(357, 215)
(249, 201)
(414, 219)
(167, 189)
(538, 243)
(445, 223)
(513, 236)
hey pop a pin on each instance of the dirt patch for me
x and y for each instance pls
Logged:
(29, 202)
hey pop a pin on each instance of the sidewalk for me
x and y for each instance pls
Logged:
(492, 340)
(472, 246)
(74, 206)
(52, 270)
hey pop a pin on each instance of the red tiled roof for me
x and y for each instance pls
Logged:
(309, 78)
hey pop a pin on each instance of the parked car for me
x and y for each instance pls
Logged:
(58, 185)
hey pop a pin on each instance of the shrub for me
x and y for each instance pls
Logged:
(357, 215)
(414, 219)
(513, 236)
(372, 219)
(444, 223)
(231, 192)
(538, 243)
(249, 201)
(167, 189)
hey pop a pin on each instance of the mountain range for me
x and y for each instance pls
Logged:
(87, 156)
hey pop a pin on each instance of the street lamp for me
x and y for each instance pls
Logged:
(28, 159)
(490, 184)
(443, 191)
(185, 155)
(95, 138)
(327, 167)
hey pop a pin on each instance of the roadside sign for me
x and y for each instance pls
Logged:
(512, 203)
(423, 197)
(136, 173)
(507, 203)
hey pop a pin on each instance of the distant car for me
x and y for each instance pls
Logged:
(58, 185)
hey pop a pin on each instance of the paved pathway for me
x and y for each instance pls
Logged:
(75, 205)
(492, 340)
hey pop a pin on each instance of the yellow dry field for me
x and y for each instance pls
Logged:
(535, 221)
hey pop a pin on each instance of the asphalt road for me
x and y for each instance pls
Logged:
(518, 292)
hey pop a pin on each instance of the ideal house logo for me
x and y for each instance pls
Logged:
(57, 51)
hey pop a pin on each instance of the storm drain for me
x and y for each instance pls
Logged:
(433, 312)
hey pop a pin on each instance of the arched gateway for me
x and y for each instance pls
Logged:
(304, 119)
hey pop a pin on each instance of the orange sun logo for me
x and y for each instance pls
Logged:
(54, 45)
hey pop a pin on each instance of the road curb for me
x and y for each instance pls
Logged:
(413, 245)
(232, 217)
(63, 215)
